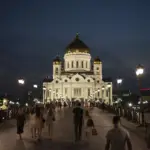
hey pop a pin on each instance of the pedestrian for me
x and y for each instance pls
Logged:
(89, 126)
(32, 121)
(78, 121)
(49, 120)
(118, 137)
(20, 122)
(39, 122)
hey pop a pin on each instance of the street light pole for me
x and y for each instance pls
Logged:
(21, 82)
(119, 82)
(109, 88)
(139, 73)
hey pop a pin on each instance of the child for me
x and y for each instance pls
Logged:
(89, 127)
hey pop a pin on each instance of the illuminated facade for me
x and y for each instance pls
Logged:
(77, 77)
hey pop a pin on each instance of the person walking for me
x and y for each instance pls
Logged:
(78, 121)
(118, 137)
(20, 122)
(39, 122)
(32, 122)
(49, 120)
(89, 125)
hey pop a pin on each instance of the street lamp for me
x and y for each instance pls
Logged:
(119, 81)
(139, 72)
(130, 104)
(21, 81)
(35, 86)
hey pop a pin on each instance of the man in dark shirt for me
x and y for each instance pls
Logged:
(78, 121)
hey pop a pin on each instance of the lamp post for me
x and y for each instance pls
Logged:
(139, 73)
(21, 82)
(44, 95)
(103, 88)
(119, 82)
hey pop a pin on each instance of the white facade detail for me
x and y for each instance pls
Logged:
(77, 78)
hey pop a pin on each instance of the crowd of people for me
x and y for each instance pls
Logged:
(37, 117)
(116, 138)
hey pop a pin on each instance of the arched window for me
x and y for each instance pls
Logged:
(82, 64)
(77, 64)
(72, 64)
(56, 70)
(68, 65)
(86, 64)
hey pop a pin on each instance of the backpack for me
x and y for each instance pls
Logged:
(90, 123)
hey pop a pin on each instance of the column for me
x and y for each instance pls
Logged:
(89, 65)
(111, 95)
(43, 96)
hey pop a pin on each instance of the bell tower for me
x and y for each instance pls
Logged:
(57, 64)
(97, 68)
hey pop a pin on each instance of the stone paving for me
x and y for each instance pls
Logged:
(63, 135)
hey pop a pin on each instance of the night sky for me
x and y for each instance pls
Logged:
(33, 32)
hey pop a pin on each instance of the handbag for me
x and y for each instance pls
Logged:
(94, 131)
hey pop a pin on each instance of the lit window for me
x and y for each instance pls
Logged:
(56, 70)
(86, 64)
(88, 92)
(82, 64)
(68, 64)
(77, 64)
(77, 79)
(77, 91)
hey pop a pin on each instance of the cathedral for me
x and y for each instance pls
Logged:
(77, 77)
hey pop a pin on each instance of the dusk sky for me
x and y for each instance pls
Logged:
(33, 32)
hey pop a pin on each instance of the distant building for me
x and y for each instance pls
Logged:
(77, 77)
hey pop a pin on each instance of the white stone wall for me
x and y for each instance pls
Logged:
(60, 89)
(77, 62)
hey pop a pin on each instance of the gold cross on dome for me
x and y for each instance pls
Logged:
(77, 35)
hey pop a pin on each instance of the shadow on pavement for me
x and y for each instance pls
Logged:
(19, 145)
(59, 145)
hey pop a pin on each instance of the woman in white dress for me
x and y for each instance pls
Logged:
(32, 121)
(39, 122)
(89, 125)
(49, 120)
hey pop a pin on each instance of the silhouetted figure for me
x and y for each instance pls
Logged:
(78, 121)
(103, 106)
(20, 122)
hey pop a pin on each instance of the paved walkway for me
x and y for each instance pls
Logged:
(63, 137)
